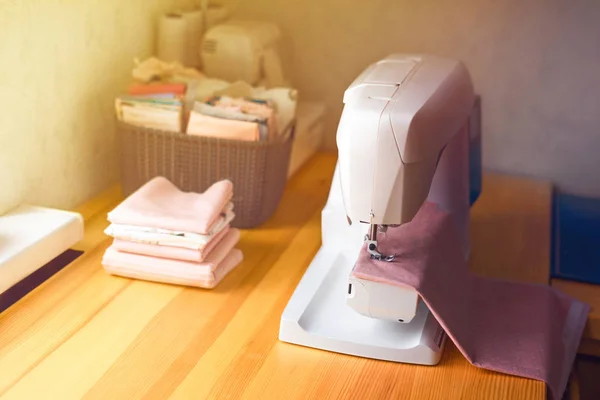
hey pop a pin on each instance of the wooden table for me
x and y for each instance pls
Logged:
(85, 334)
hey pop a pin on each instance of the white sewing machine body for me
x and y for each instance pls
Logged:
(403, 139)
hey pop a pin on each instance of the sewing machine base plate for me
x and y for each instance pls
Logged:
(318, 316)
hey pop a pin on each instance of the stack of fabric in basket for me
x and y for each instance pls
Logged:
(234, 118)
(163, 234)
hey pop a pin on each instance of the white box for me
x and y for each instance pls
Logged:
(310, 121)
(30, 237)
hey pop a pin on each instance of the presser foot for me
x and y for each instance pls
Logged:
(371, 239)
(375, 254)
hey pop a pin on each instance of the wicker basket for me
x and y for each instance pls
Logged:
(258, 170)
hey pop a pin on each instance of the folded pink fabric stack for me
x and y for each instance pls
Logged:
(163, 234)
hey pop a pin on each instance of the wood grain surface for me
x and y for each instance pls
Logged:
(86, 334)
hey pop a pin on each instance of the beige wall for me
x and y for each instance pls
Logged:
(536, 64)
(61, 64)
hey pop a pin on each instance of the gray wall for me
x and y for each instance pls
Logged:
(536, 64)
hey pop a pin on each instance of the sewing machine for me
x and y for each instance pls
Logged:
(403, 139)
(244, 50)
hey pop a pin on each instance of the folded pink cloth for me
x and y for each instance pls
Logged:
(516, 328)
(222, 260)
(160, 204)
(173, 252)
